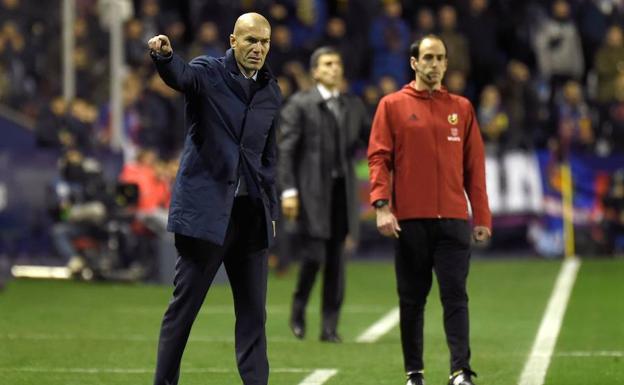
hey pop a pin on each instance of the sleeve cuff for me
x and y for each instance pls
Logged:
(161, 58)
(375, 197)
(289, 193)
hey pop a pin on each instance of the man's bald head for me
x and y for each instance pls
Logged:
(250, 41)
(249, 20)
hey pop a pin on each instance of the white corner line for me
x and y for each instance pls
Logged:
(319, 377)
(536, 366)
(381, 327)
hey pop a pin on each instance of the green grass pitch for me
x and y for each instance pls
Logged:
(71, 333)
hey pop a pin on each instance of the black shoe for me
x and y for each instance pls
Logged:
(298, 329)
(331, 336)
(416, 379)
(297, 324)
(462, 377)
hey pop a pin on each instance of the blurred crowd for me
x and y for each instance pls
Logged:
(541, 73)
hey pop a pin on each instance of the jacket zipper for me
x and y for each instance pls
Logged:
(437, 161)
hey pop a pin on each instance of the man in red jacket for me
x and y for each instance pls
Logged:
(425, 156)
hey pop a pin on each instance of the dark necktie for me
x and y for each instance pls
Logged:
(249, 86)
(333, 104)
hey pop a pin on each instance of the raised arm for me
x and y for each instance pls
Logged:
(181, 76)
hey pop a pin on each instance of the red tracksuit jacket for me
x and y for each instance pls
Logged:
(425, 150)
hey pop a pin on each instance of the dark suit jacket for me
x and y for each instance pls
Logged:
(305, 165)
(225, 131)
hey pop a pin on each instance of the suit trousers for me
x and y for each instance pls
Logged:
(245, 257)
(443, 246)
(329, 253)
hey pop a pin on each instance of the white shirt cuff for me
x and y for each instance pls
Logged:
(289, 193)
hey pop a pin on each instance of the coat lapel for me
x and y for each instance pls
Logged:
(233, 76)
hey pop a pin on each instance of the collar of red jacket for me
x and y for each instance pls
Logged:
(424, 94)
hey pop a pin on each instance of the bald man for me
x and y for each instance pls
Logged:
(224, 202)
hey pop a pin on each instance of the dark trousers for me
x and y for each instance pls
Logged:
(245, 258)
(328, 253)
(443, 246)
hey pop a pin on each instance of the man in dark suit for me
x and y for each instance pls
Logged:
(321, 130)
(224, 201)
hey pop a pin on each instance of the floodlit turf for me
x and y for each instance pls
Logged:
(70, 333)
(590, 349)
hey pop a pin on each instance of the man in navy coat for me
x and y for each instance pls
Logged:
(224, 201)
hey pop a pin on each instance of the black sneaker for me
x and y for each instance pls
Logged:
(297, 321)
(462, 377)
(415, 379)
(331, 336)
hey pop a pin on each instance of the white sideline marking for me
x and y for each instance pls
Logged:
(537, 364)
(27, 369)
(381, 327)
(57, 272)
(599, 353)
(131, 338)
(319, 377)
(229, 309)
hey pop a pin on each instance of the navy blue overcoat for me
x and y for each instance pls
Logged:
(225, 130)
